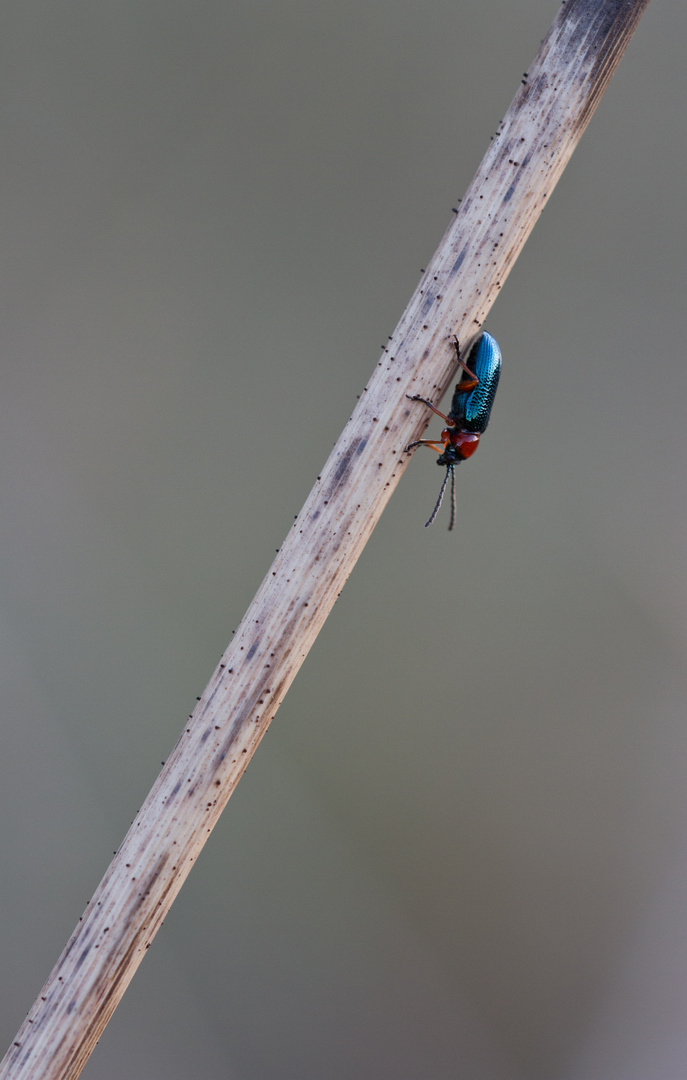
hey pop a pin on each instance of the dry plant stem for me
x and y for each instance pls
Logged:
(512, 186)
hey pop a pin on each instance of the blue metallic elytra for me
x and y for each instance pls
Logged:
(469, 413)
(471, 408)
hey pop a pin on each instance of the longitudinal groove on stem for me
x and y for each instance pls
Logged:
(511, 187)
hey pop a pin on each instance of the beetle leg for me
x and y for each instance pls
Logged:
(416, 397)
(426, 442)
(473, 381)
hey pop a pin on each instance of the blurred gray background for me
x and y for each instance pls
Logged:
(461, 851)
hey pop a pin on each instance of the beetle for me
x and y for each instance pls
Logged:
(468, 416)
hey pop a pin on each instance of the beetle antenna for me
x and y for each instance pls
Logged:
(435, 511)
(453, 498)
